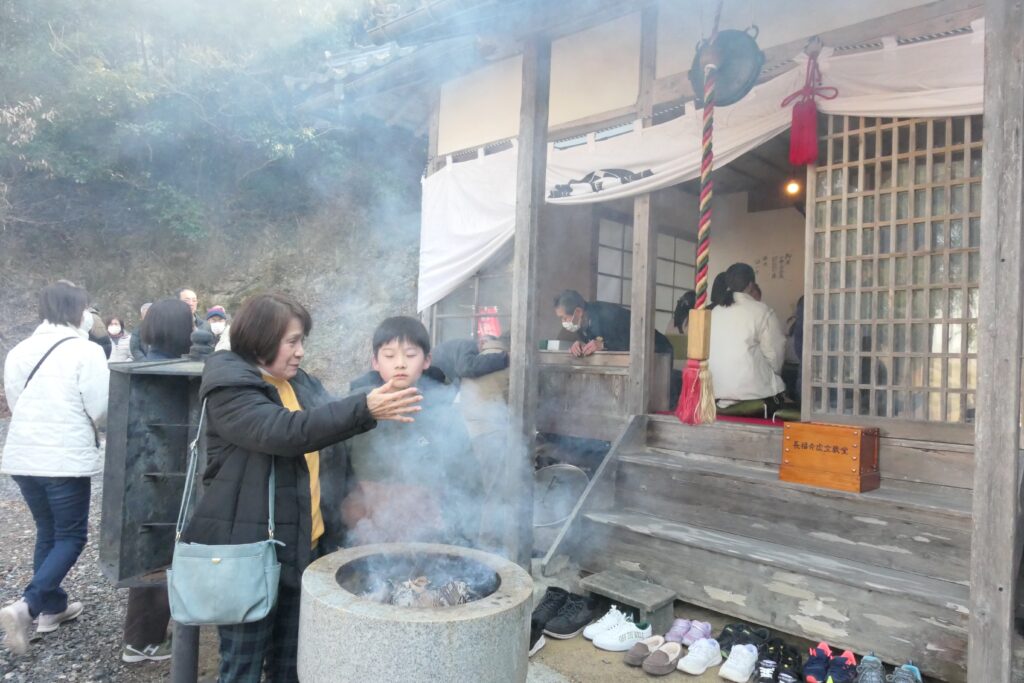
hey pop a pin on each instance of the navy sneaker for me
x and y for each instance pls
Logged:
(816, 666)
(843, 668)
(536, 639)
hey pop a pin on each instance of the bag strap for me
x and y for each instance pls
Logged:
(190, 483)
(45, 356)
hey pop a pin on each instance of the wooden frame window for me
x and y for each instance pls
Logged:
(894, 222)
(481, 305)
(614, 261)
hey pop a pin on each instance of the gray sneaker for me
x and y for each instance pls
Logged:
(870, 670)
(149, 653)
(16, 621)
(51, 622)
(901, 676)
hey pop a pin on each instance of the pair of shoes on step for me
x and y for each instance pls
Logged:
(563, 615)
(618, 631)
(16, 622)
(686, 632)
(706, 654)
(655, 655)
(823, 666)
(778, 663)
(871, 670)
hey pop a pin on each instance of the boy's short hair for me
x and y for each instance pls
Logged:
(260, 325)
(402, 328)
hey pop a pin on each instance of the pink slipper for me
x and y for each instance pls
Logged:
(678, 630)
(698, 630)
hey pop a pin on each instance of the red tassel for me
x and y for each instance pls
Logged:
(689, 397)
(803, 136)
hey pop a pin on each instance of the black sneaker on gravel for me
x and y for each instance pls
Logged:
(549, 605)
(573, 617)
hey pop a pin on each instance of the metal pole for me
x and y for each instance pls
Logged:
(185, 654)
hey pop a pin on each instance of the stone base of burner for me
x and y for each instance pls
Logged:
(344, 637)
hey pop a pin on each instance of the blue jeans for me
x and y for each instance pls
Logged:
(60, 508)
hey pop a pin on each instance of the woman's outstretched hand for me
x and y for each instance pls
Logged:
(387, 403)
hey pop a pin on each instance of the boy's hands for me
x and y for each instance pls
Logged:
(385, 403)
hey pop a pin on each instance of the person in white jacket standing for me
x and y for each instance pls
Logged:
(748, 347)
(56, 383)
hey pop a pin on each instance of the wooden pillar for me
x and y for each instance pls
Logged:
(995, 541)
(530, 195)
(645, 240)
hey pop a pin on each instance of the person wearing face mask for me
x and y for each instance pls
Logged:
(120, 340)
(598, 325)
(56, 383)
(216, 322)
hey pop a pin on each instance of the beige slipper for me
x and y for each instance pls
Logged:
(663, 660)
(642, 650)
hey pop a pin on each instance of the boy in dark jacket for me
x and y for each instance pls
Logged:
(418, 481)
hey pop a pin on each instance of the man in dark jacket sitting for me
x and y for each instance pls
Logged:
(599, 326)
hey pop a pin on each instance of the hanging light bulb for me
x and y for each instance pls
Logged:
(792, 187)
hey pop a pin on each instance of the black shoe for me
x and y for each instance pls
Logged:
(573, 617)
(769, 656)
(728, 637)
(549, 605)
(536, 639)
(752, 635)
(790, 665)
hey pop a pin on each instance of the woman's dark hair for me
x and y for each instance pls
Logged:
(111, 318)
(717, 290)
(738, 277)
(168, 327)
(687, 301)
(62, 303)
(261, 323)
(402, 328)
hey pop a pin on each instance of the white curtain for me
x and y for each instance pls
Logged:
(469, 207)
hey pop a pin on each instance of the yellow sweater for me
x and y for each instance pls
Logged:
(291, 402)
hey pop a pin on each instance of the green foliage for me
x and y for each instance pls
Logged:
(174, 113)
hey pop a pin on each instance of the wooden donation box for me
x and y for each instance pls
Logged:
(840, 457)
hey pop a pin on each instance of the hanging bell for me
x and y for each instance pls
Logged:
(737, 60)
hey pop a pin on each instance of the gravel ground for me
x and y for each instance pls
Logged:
(87, 649)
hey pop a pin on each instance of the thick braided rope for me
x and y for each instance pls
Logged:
(706, 188)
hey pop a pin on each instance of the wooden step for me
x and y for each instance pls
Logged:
(901, 460)
(899, 615)
(895, 530)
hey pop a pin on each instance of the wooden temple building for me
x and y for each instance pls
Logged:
(905, 241)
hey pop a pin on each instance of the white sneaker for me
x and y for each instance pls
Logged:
(703, 655)
(51, 622)
(16, 621)
(740, 665)
(610, 620)
(623, 636)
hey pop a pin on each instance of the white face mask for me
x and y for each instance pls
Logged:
(217, 328)
(87, 322)
(113, 330)
(571, 325)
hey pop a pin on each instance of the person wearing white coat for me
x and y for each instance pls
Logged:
(56, 383)
(747, 343)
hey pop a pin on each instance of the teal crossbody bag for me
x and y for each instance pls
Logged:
(221, 584)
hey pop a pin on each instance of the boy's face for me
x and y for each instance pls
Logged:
(402, 361)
